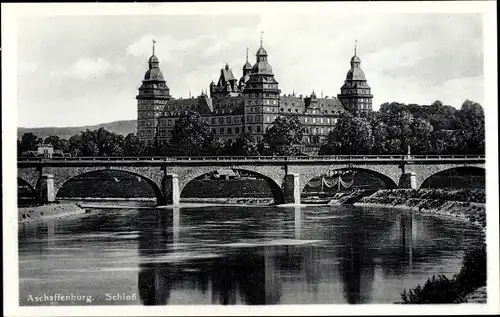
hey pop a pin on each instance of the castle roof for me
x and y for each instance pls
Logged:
(261, 51)
(296, 105)
(154, 72)
(355, 74)
(227, 74)
(247, 66)
(262, 67)
(355, 59)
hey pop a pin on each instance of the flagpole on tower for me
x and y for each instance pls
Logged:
(154, 46)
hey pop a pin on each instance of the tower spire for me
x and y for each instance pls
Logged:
(247, 54)
(261, 38)
(154, 46)
(355, 44)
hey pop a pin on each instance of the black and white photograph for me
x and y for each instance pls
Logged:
(250, 158)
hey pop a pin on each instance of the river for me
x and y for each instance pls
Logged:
(236, 255)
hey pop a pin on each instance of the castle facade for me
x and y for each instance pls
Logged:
(246, 105)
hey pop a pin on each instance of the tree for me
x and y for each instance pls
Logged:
(29, 142)
(132, 146)
(351, 135)
(420, 138)
(191, 135)
(245, 145)
(54, 140)
(76, 145)
(399, 122)
(96, 143)
(64, 145)
(473, 126)
(285, 136)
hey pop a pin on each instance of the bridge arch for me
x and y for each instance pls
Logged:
(276, 188)
(59, 182)
(388, 181)
(32, 190)
(477, 169)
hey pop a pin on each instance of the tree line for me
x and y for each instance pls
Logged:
(434, 129)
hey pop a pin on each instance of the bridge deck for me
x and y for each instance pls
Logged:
(257, 159)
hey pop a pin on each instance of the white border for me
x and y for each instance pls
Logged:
(12, 12)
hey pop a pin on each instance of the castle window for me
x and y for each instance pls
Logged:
(213, 131)
(228, 119)
(297, 110)
(258, 129)
(229, 130)
(250, 129)
(314, 120)
(289, 110)
(282, 109)
(213, 121)
(236, 119)
(221, 130)
(268, 118)
(249, 119)
(221, 120)
(321, 120)
(169, 123)
(305, 120)
(237, 130)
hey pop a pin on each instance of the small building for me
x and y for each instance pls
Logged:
(45, 149)
(226, 174)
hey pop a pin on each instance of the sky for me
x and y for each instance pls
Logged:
(83, 70)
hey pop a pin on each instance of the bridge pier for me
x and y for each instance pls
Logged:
(46, 192)
(408, 180)
(170, 190)
(291, 190)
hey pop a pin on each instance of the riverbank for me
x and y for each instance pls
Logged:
(450, 203)
(49, 211)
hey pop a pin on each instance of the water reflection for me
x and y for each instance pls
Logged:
(239, 255)
(246, 276)
(254, 275)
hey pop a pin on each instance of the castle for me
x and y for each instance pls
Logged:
(248, 105)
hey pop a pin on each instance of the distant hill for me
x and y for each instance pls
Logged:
(123, 127)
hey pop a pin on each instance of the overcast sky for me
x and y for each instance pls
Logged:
(83, 70)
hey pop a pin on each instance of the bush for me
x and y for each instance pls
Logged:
(442, 290)
(439, 289)
(473, 272)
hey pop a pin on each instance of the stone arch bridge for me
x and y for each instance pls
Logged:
(286, 176)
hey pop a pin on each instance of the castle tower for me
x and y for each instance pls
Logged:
(355, 94)
(152, 98)
(262, 95)
(247, 69)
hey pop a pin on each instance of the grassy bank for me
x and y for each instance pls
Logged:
(467, 204)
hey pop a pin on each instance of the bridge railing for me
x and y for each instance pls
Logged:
(254, 158)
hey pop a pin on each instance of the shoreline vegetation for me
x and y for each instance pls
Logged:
(464, 204)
